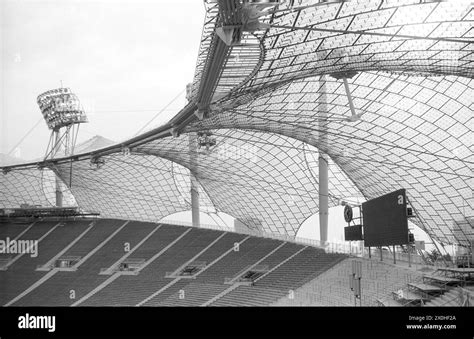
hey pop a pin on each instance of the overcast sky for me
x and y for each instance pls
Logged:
(124, 59)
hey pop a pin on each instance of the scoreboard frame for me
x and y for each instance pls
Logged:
(385, 220)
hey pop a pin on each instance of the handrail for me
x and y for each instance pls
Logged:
(329, 247)
(415, 259)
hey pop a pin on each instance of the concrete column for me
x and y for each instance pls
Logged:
(59, 193)
(323, 165)
(195, 201)
(194, 183)
(323, 197)
(472, 254)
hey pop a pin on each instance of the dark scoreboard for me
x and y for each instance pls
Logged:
(385, 220)
(353, 233)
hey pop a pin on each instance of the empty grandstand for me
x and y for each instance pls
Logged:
(296, 108)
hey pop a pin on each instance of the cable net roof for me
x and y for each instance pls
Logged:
(32, 187)
(134, 186)
(263, 179)
(23, 187)
(279, 99)
(363, 36)
(414, 133)
(409, 66)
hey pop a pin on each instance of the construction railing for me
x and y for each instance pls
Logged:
(352, 249)
(328, 246)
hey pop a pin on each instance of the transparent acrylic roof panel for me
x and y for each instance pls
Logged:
(137, 187)
(415, 132)
(24, 186)
(260, 178)
(33, 187)
(402, 36)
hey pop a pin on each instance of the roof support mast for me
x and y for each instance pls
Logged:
(194, 183)
(323, 167)
(323, 197)
(194, 191)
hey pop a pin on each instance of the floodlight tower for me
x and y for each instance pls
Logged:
(63, 114)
